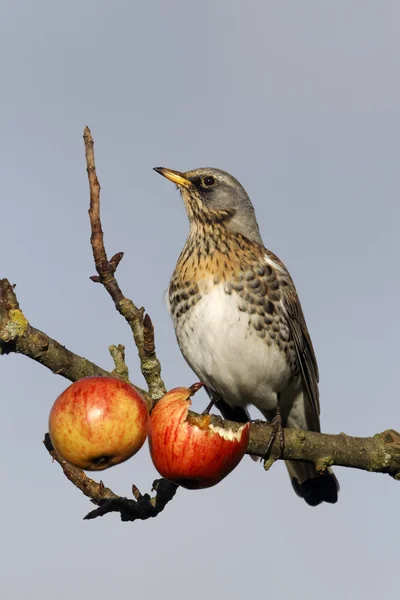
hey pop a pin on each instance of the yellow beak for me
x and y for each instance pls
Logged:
(174, 176)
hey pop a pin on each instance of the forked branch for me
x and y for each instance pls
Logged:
(140, 324)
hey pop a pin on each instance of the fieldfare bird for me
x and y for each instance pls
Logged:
(238, 319)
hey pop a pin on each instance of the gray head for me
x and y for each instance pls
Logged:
(211, 194)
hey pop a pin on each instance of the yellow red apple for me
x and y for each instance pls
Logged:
(98, 422)
(190, 450)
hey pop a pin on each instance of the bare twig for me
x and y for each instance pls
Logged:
(143, 507)
(134, 316)
(118, 355)
(93, 490)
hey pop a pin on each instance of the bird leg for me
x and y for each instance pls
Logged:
(277, 426)
(209, 406)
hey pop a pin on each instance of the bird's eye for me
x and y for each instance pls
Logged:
(209, 181)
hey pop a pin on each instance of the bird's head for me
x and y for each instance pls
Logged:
(214, 196)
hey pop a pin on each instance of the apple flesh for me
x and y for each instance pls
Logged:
(190, 450)
(98, 422)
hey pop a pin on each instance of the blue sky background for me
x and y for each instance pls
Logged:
(300, 101)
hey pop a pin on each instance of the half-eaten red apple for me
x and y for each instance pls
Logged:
(190, 450)
(98, 422)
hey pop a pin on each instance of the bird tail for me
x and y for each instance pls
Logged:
(308, 484)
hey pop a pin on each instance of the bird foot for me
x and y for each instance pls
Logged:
(277, 428)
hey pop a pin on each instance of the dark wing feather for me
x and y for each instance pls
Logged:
(301, 337)
(303, 345)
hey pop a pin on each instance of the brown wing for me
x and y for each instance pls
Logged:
(304, 347)
(301, 337)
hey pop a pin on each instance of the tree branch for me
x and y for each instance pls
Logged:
(143, 507)
(17, 335)
(380, 453)
(139, 324)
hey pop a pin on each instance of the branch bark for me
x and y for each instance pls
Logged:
(140, 324)
(142, 507)
(17, 335)
(379, 454)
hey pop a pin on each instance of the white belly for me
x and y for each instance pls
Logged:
(228, 355)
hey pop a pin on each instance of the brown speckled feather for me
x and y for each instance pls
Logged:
(298, 328)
